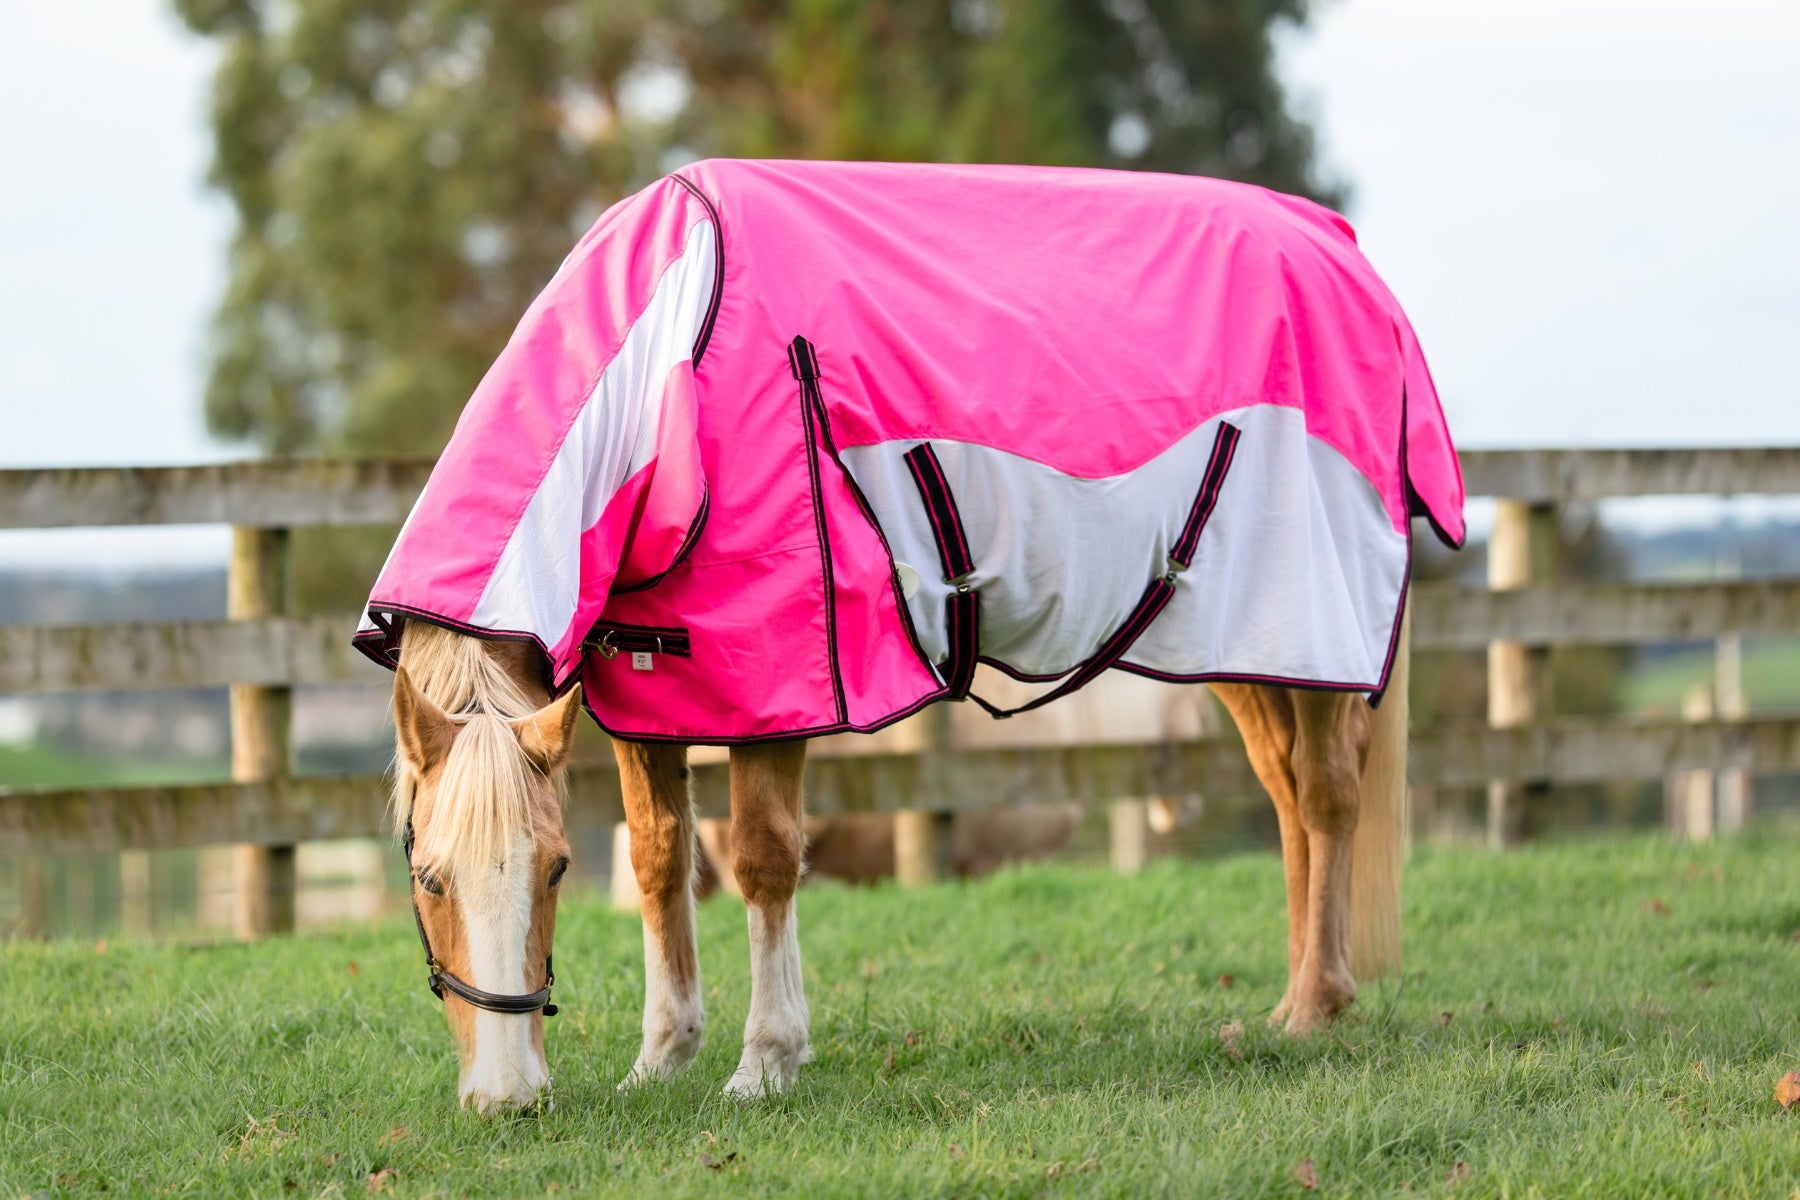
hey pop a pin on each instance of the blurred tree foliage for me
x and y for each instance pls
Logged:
(407, 173)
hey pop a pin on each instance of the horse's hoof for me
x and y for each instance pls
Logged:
(759, 1076)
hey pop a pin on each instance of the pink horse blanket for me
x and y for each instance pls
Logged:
(786, 448)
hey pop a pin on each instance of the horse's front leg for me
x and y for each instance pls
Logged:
(768, 842)
(659, 811)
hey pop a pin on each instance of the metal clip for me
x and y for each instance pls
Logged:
(607, 650)
(961, 583)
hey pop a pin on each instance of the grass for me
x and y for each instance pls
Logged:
(1594, 1019)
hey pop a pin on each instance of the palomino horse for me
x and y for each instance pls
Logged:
(788, 449)
(481, 747)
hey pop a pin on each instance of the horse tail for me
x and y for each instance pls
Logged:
(1380, 842)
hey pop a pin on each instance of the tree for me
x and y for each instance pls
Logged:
(407, 173)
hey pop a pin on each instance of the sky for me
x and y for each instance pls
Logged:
(1586, 206)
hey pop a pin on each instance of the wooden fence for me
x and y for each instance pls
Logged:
(261, 653)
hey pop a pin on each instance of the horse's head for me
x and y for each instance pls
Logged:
(478, 799)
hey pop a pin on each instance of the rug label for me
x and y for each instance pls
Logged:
(640, 660)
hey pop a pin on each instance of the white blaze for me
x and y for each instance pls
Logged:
(496, 911)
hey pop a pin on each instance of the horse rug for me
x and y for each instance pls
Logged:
(786, 448)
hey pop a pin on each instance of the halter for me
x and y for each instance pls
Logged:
(442, 980)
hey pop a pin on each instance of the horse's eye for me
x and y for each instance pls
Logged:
(556, 872)
(430, 883)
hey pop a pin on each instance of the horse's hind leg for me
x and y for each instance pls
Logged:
(660, 814)
(1331, 741)
(767, 844)
(1265, 718)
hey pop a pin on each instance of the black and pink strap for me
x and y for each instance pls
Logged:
(962, 611)
(963, 608)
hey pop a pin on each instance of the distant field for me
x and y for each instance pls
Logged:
(51, 766)
(1771, 677)
(1600, 1019)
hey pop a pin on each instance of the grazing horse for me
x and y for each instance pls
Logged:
(787, 449)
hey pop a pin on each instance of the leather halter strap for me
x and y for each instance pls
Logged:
(441, 980)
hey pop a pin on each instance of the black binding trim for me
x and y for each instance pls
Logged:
(862, 502)
(718, 292)
(805, 365)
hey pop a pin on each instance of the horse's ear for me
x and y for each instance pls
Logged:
(425, 730)
(548, 733)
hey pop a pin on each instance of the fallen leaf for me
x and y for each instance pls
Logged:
(956, 1151)
(100, 946)
(1457, 1173)
(378, 1180)
(1795, 935)
(1657, 907)
(1444, 1019)
(1225, 981)
(328, 1159)
(1054, 1170)
(912, 1037)
(1309, 1178)
(353, 968)
(1787, 1090)
(710, 1163)
(396, 1134)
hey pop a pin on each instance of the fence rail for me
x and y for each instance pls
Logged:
(308, 651)
(321, 808)
(263, 653)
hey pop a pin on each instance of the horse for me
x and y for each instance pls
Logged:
(481, 746)
(789, 449)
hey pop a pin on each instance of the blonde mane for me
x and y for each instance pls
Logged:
(486, 795)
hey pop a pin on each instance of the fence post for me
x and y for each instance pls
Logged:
(1521, 551)
(1688, 795)
(925, 840)
(1736, 799)
(1128, 835)
(34, 899)
(136, 916)
(256, 586)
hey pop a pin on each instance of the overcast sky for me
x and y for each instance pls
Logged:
(1587, 207)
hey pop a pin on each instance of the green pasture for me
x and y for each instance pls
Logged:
(1600, 1019)
(1771, 677)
